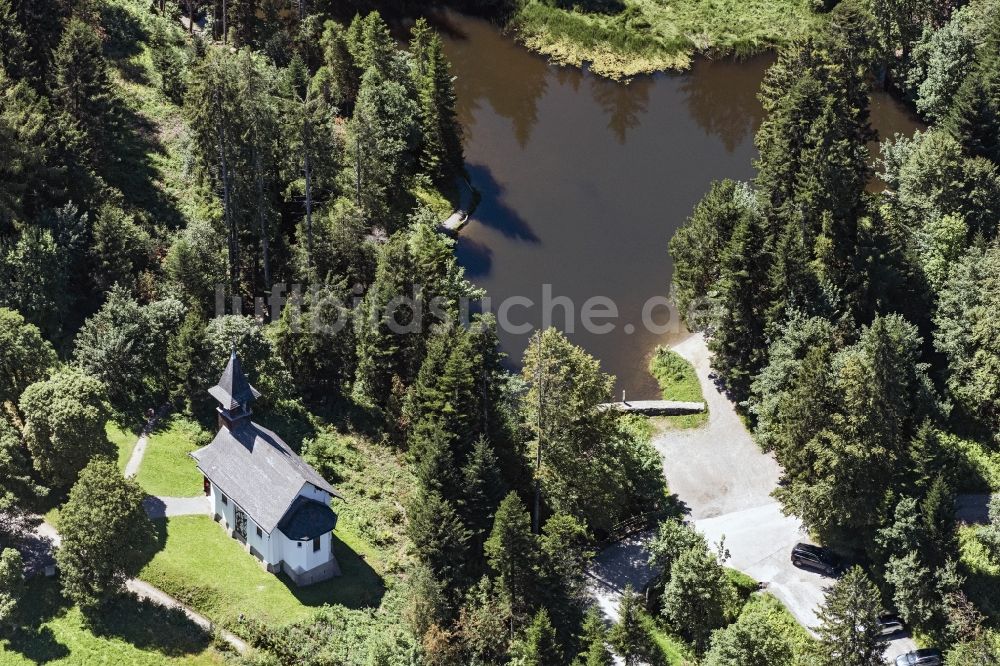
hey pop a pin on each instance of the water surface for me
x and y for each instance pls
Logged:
(585, 180)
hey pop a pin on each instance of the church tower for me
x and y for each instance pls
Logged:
(234, 394)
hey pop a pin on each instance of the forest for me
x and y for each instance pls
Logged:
(154, 167)
(855, 324)
(180, 180)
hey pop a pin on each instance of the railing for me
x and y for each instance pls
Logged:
(630, 526)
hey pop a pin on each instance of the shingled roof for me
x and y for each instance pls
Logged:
(258, 471)
(307, 519)
(233, 389)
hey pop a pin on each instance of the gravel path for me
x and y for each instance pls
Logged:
(146, 591)
(165, 507)
(135, 460)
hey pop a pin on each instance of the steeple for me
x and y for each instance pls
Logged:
(234, 393)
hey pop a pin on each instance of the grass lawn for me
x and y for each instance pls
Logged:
(123, 439)
(678, 381)
(167, 469)
(136, 633)
(623, 38)
(202, 566)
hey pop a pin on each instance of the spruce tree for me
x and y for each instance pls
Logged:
(385, 352)
(697, 596)
(13, 46)
(440, 541)
(81, 86)
(371, 44)
(483, 488)
(595, 640)
(382, 137)
(628, 636)
(441, 133)
(974, 116)
(540, 646)
(849, 627)
(738, 343)
(511, 551)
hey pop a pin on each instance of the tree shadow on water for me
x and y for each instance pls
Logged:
(475, 257)
(721, 96)
(492, 211)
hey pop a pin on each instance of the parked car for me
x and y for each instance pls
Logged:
(890, 625)
(814, 557)
(925, 657)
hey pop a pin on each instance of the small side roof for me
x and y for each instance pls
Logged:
(307, 519)
(233, 388)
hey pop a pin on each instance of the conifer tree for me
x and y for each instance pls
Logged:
(215, 117)
(13, 46)
(849, 627)
(697, 596)
(540, 646)
(595, 640)
(441, 133)
(371, 44)
(974, 117)
(81, 85)
(338, 77)
(511, 553)
(739, 342)
(187, 355)
(440, 541)
(483, 490)
(311, 145)
(628, 637)
(382, 138)
(385, 352)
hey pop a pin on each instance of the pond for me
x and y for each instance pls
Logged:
(584, 181)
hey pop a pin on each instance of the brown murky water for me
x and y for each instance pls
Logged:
(584, 181)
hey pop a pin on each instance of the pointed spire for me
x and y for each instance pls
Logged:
(233, 390)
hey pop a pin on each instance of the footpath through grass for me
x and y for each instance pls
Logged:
(167, 469)
(624, 38)
(200, 565)
(123, 439)
(678, 381)
(134, 633)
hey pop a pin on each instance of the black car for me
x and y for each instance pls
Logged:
(890, 625)
(814, 557)
(926, 657)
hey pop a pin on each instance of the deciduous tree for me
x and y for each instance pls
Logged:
(64, 418)
(105, 535)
